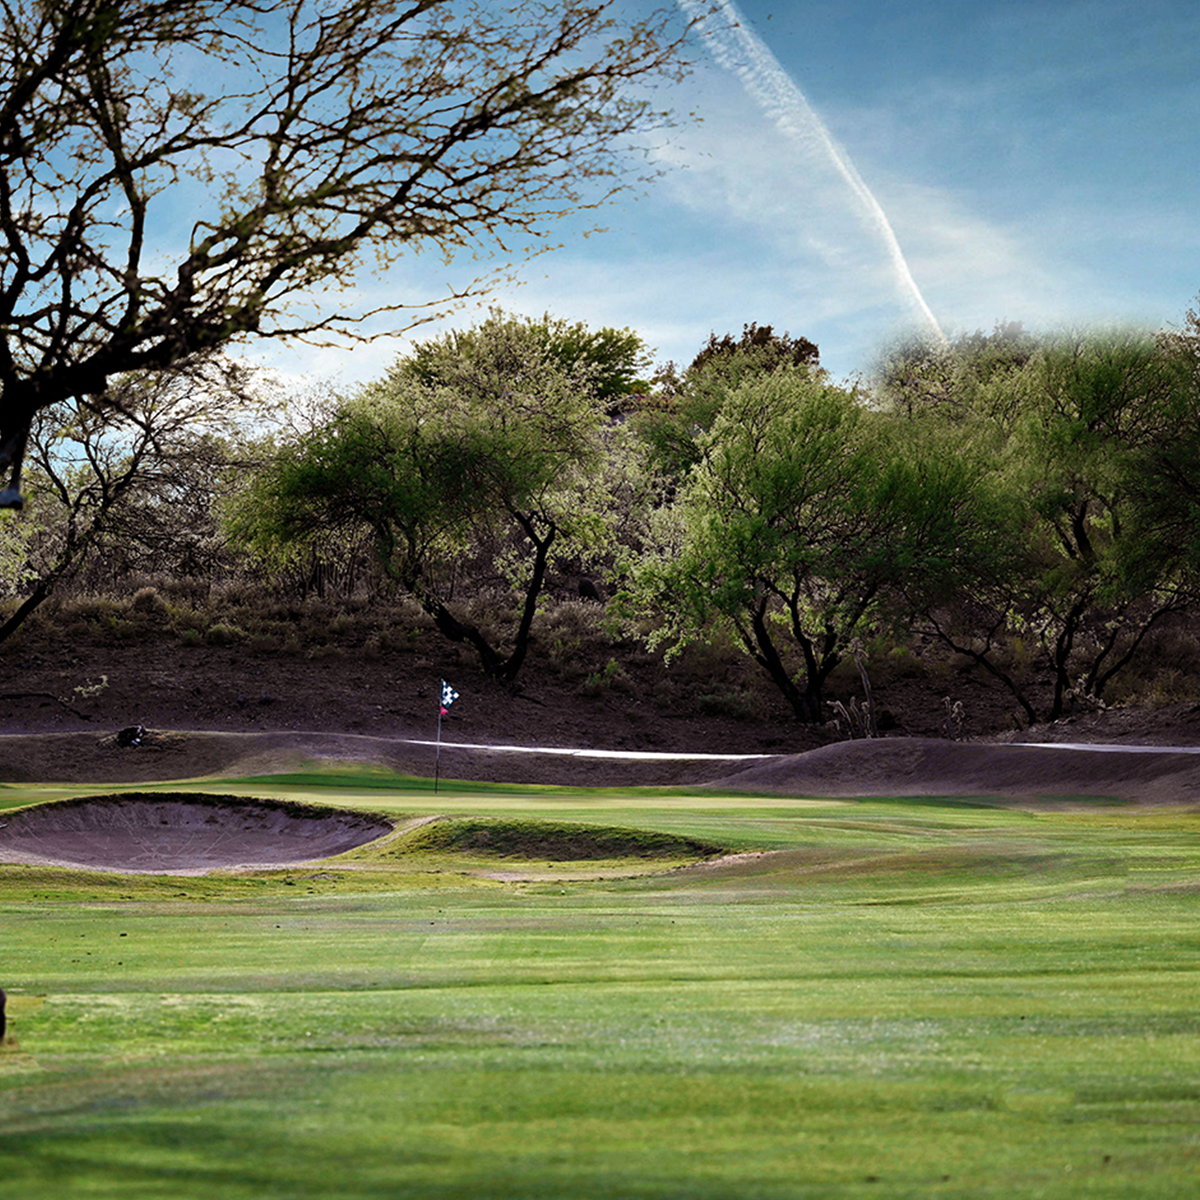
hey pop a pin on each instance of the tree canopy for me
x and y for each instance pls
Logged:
(1087, 435)
(609, 360)
(761, 346)
(483, 446)
(807, 517)
(305, 142)
(687, 403)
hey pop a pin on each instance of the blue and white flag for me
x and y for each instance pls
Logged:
(449, 695)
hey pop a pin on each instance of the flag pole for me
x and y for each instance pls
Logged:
(446, 697)
(437, 759)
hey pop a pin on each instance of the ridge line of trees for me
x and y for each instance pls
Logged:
(1009, 491)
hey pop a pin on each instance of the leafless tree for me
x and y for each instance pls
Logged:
(106, 476)
(177, 175)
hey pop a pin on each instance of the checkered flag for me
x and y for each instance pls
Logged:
(449, 695)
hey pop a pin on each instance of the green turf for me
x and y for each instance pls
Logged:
(905, 999)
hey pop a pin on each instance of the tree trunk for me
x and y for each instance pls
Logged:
(26, 609)
(541, 557)
(1061, 658)
(981, 660)
(459, 631)
(806, 705)
(1098, 680)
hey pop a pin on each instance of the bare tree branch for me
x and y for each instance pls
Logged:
(311, 141)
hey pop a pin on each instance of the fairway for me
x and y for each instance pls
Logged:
(747, 997)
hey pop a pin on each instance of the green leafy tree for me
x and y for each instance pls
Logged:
(305, 141)
(611, 359)
(1166, 467)
(919, 377)
(759, 348)
(686, 405)
(15, 539)
(1071, 425)
(807, 520)
(481, 446)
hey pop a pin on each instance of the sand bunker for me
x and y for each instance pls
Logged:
(153, 833)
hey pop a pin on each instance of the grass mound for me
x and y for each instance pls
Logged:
(552, 841)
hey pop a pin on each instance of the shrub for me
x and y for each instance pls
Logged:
(325, 650)
(611, 676)
(223, 634)
(741, 706)
(148, 602)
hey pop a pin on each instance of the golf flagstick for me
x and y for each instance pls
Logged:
(447, 697)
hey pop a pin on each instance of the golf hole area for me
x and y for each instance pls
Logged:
(163, 833)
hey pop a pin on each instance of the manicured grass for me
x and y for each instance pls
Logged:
(906, 1000)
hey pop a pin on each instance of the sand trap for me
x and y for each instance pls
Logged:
(172, 834)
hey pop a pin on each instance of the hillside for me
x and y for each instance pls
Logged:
(235, 707)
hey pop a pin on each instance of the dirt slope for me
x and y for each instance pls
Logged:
(1031, 774)
(212, 711)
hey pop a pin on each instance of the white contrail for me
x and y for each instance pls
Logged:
(738, 49)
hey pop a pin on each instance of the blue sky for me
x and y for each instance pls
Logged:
(1035, 162)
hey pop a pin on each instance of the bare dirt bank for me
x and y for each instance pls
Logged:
(886, 766)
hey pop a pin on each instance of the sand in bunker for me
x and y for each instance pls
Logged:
(156, 833)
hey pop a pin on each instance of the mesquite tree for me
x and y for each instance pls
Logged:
(807, 520)
(481, 448)
(1092, 437)
(176, 175)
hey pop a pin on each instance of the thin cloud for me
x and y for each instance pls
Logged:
(739, 49)
(748, 223)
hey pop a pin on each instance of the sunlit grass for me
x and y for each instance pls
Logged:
(882, 998)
